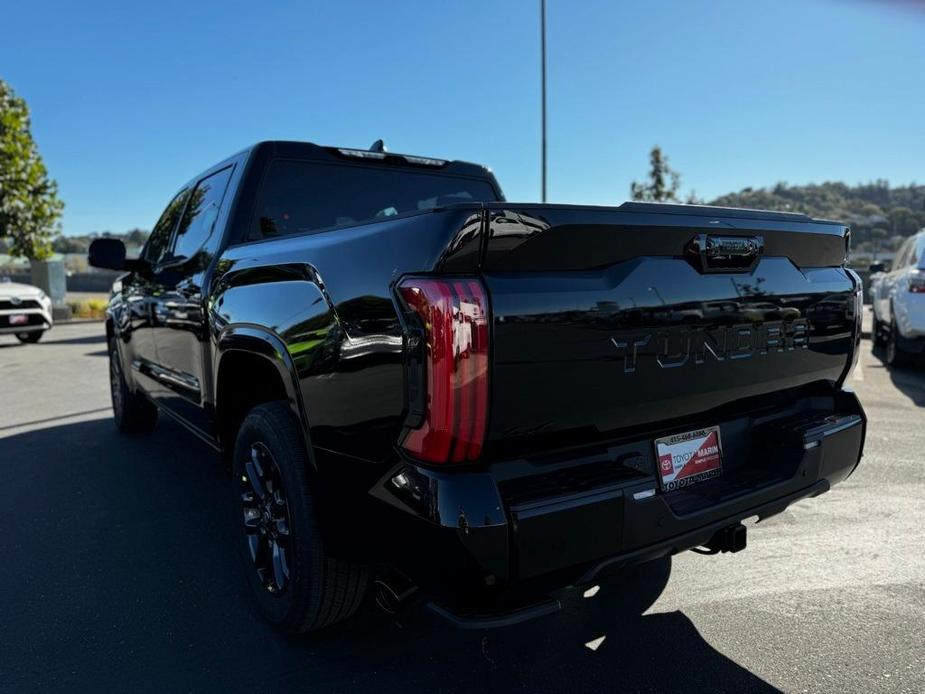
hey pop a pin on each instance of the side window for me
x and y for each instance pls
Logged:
(199, 217)
(901, 255)
(915, 253)
(160, 235)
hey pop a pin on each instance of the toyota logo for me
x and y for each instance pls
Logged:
(15, 300)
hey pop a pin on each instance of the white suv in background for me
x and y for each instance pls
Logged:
(25, 311)
(898, 296)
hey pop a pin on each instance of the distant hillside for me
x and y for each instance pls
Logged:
(880, 216)
(73, 249)
(134, 239)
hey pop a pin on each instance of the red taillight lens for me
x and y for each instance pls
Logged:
(454, 316)
(917, 282)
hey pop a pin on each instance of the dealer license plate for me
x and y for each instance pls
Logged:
(19, 319)
(685, 459)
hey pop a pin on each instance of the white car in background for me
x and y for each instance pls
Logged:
(25, 311)
(898, 297)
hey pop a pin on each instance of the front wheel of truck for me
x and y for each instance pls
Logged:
(298, 586)
(132, 412)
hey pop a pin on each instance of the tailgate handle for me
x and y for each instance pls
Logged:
(726, 253)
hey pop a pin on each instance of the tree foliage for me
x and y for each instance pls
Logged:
(134, 239)
(880, 216)
(29, 204)
(663, 184)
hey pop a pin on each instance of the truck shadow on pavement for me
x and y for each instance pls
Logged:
(88, 340)
(119, 573)
(51, 339)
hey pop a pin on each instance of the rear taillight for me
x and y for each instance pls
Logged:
(917, 282)
(453, 314)
(855, 313)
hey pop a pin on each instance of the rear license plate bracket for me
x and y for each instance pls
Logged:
(690, 457)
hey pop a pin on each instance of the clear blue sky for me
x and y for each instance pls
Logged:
(130, 99)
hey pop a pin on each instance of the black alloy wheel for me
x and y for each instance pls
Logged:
(266, 518)
(297, 584)
(132, 412)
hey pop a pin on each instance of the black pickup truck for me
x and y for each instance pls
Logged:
(416, 382)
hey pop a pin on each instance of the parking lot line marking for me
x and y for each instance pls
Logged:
(858, 374)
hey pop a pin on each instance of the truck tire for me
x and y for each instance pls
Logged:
(30, 338)
(132, 412)
(298, 586)
(896, 356)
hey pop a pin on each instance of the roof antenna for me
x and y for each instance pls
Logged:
(378, 146)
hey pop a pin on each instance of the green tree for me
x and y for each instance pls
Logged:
(903, 221)
(136, 237)
(70, 244)
(29, 204)
(877, 235)
(663, 183)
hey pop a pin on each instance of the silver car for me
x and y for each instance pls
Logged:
(898, 296)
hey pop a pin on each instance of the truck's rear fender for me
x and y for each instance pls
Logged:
(328, 298)
(259, 358)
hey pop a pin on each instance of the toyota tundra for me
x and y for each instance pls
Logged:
(418, 383)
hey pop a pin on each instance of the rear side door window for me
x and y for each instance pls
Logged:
(156, 247)
(198, 220)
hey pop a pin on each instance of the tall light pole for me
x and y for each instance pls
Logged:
(543, 89)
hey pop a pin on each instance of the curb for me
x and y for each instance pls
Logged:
(78, 321)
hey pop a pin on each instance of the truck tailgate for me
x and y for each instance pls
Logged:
(607, 319)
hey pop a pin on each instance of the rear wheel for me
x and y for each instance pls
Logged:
(132, 412)
(298, 586)
(30, 337)
(881, 333)
(896, 356)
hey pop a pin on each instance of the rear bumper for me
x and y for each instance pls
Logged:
(477, 538)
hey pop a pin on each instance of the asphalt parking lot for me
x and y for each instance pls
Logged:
(117, 572)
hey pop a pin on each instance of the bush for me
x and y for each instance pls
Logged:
(88, 308)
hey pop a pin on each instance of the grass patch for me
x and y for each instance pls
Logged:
(88, 308)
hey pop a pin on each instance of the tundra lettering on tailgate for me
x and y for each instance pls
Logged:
(673, 347)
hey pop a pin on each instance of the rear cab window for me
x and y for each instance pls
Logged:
(305, 196)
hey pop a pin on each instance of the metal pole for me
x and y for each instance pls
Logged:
(543, 87)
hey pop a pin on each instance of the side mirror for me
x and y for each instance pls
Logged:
(877, 267)
(108, 254)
